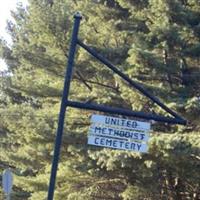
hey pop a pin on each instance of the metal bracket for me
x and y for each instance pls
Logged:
(175, 119)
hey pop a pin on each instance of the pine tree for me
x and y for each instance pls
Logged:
(154, 42)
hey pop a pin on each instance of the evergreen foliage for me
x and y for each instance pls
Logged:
(154, 42)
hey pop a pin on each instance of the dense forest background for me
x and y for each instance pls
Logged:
(156, 43)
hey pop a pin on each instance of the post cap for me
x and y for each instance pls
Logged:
(78, 15)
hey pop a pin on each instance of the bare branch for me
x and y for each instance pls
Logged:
(80, 77)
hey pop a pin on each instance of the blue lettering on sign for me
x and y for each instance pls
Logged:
(97, 130)
(114, 143)
(102, 141)
(117, 144)
(120, 122)
(119, 133)
(96, 140)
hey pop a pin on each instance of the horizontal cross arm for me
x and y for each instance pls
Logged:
(125, 112)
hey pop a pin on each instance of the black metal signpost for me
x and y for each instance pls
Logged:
(175, 119)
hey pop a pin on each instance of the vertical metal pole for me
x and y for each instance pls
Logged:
(8, 197)
(63, 106)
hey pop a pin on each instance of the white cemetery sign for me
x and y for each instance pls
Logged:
(118, 133)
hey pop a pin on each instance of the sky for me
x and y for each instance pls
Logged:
(5, 7)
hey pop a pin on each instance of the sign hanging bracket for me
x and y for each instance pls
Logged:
(175, 119)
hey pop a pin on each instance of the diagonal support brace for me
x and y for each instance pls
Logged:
(130, 81)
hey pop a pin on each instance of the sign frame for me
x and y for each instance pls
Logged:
(118, 133)
(65, 103)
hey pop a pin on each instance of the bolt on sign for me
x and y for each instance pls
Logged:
(119, 133)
